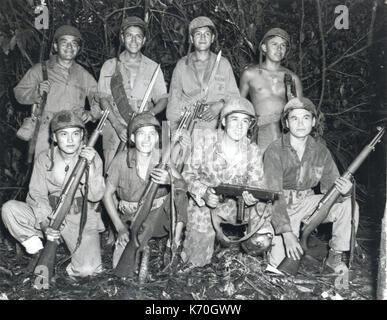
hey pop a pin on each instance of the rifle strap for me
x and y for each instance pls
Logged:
(216, 221)
(119, 94)
(44, 97)
(353, 226)
(44, 70)
(173, 209)
(83, 220)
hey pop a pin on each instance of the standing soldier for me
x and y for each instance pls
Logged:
(192, 74)
(124, 81)
(67, 86)
(29, 221)
(264, 83)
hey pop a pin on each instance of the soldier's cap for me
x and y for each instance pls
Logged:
(66, 119)
(237, 105)
(67, 30)
(275, 32)
(143, 120)
(133, 21)
(200, 22)
(299, 103)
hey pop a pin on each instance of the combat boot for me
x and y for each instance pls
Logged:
(335, 260)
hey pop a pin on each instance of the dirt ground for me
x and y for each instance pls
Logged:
(232, 275)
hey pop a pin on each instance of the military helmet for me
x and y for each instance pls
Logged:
(132, 21)
(275, 32)
(143, 119)
(200, 22)
(67, 30)
(257, 244)
(66, 119)
(299, 103)
(240, 105)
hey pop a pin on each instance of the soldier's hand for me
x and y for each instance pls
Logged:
(122, 132)
(86, 116)
(343, 185)
(160, 176)
(122, 238)
(184, 138)
(248, 198)
(44, 86)
(88, 153)
(292, 246)
(210, 113)
(210, 198)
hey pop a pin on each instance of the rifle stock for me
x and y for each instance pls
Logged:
(128, 261)
(45, 265)
(290, 266)
(32, 142)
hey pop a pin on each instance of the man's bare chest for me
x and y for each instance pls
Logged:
(272, 84)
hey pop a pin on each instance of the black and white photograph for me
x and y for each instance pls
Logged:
(193, 156)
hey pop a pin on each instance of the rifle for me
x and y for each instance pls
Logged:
(143, 103)
(235, 191)
(45, 265)
(187, 122)
(178, 154)
(290, 266)
(37, 112)
(290, 86)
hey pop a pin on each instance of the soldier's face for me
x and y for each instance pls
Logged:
(237, 125)
(133, 39)
(275, 48)
(69, 139)
(300, 122)
(145, 139)
(202, 38)
(67, 47)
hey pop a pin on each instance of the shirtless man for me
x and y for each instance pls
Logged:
(265, 85)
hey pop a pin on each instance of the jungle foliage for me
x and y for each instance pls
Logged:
(342, 70)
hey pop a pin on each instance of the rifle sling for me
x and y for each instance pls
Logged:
(83, 220)
(216, 223)
(119, 94)
(77, 203)
(353, 225)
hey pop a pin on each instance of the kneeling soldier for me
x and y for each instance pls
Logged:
(128, 177)
(29, 221)
(223, 156)
(297, 163)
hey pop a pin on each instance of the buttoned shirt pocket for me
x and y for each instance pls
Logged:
(220, 84)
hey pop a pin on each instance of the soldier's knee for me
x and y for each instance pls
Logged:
(88, 270)
(8, 211)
